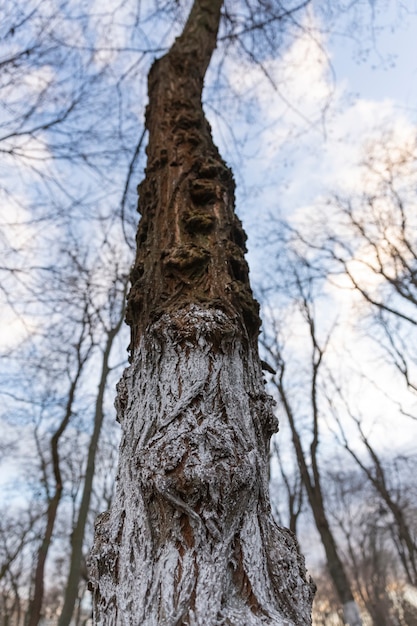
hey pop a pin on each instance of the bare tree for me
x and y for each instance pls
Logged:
(364, 522)
(82, 349)
(297, 292)
(81, 300)
(78, 534)
(291, 494)
(190, 537)
(366, 242)
(394, 500)
(18, 532)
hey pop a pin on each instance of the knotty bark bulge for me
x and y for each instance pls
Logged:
(190, 244)
(190, 539)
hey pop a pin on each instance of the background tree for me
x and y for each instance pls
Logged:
(366, 241)
(367, 545)
(117, 297)
(54, 421)
(394, 500)
(345, 280)
(297, 290)
(53, 497)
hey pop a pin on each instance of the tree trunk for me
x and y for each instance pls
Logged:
(53, 504)
(312, 483)
(77, 538)
(190, 538)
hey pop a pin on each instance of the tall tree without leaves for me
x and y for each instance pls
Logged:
(190, 538)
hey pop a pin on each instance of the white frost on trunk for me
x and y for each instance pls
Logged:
(351, 615)
(190, 539)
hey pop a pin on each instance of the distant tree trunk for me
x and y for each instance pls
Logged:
(312, 482)
(77, 538)
(54, 500)
(190, 538)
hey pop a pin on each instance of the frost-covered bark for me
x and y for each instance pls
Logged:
(351, 614)
(190, 538)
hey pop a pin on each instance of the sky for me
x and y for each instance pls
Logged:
(359, 94)
(284, 151)
(305, 135)
(299, 154)
(390, 69)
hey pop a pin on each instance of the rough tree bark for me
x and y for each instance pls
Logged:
(190, 538)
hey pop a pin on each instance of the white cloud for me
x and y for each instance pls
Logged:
(304, 163)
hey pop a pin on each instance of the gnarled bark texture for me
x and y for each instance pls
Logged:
(190, 538)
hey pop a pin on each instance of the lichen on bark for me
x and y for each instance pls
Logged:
(190, 539)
